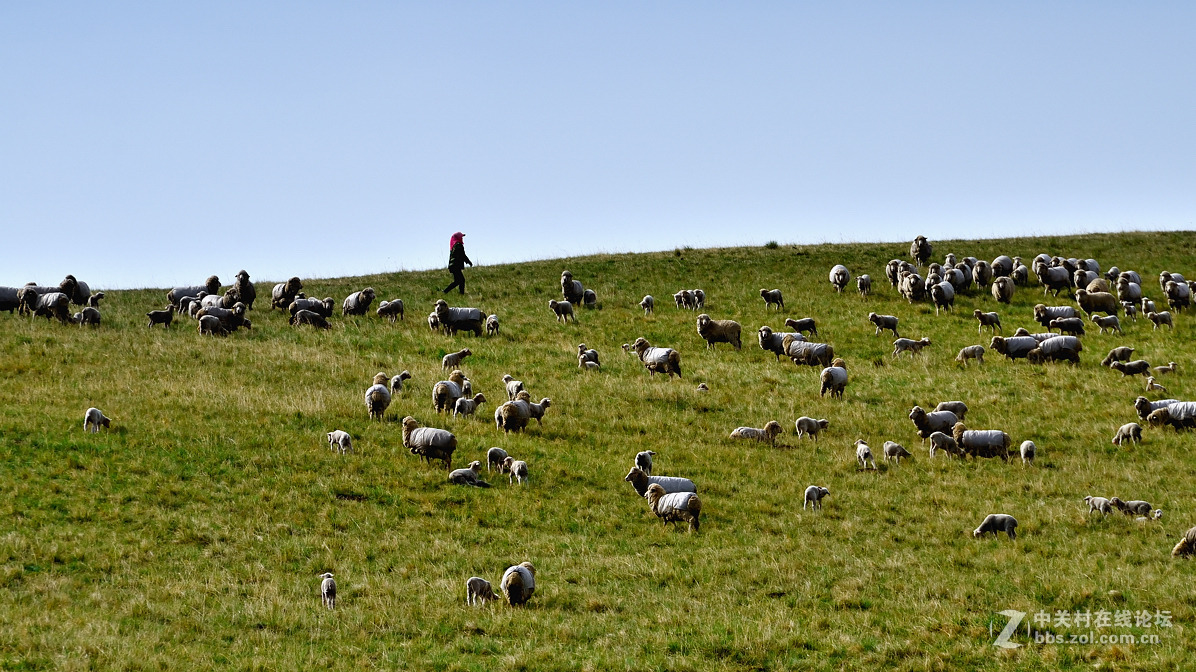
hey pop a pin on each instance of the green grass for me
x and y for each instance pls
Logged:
(190, 535)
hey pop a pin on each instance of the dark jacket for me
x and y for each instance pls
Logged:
(457, 258)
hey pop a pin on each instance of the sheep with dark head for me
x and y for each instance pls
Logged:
(245, 289)
(284, 293)
(358, 303)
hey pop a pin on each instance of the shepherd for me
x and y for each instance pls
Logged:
(457, 261)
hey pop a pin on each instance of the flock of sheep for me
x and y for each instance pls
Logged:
(1102, 297)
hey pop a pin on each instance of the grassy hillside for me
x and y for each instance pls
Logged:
(190, 535)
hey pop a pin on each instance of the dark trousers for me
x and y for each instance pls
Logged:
(458, 280)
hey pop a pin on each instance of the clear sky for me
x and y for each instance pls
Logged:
(156, 143)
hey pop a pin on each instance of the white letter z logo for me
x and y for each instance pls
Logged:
(1015, 618)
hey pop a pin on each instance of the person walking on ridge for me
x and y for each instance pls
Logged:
(457, 261)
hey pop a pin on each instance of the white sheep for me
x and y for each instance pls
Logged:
(675, 506)
(1135, 507)
(516, 469)
(492, 325)
(1029, 451)
(429, 443)
(467, 406)
(586, 355)
(895, 451)
(339, 439)
(328, 590)
(468, 476)
(996, 523)
(563, 310)
(514, 387)
(767, 434)
(833, 379)
(648, 304)
(478, 591)
(909, 345)
(519, 583)
(807, 426)
(814, 495)
(1110, 323)
(1160, 319)
(975, 352)
(377, 397)
(1164, 370)
(772, 297)
(883, 322)
(453, 359)
(1098, 504)
(93, 419)
(839, 277)
(863, 454)
(943, 296)
(863, 284)
(391, 310)
(643, 460)
(946, 443)
(1130, 431)
(1153, 386)
(396, 383)
(496, 457)
(990, 320)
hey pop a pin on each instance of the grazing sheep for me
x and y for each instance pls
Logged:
(1186, 546)
(308, 317)
(492, 325)
(643, 460)
(640, 480)
(496, 457)
(943, 296)
(719, 331)
(946, 443)
(1002, 290)
(1014, 347)
(909, 345)
(662, 360)
(162, 317)
(772, 297)
(516, 470)
(589, 299)
(803, 326)
(863, 455)
(478, 591)
(88, 316)
(340, 440)
(814, 495)
(1055, 278)
(767, 434)
(1054, 349)
(519, 582)
(283, 294)
(975, 352)
(467, 406)
(468, 476)
(1045, 314)
(648, 304)
(1091, 302)
(210, 325)
(833, 379)
(377, 397)
(452, 320)
(1160, 319)
(230, 318)
(328, 590)
(1131, 431)
(1144, 407)
(883, 322)
(1134, 507)
(392, 310)
(981, 442)
(585, 355)
(445, 393)
(1121, 354)
(929, 423)
(774, 342)
(1098, 504)
(959, 408)
(990, 320)
(807, 426)
(676, 506)
(514, 387)
(93, 419)
(1068, 325)
(563, 310)
(921, 250)
(513, 416)
(1138, 367)
(997, 523)
(895, 451)
(572, 290)
(839, 277)
(863, 284)
(804, 353)
(211, 286)
(1180, 415)
(1029, 451)
(1153, 386)
(428, 442)
(453, 359)
(323, 308)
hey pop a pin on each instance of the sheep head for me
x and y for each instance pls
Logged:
(212, 284)
(380, 378)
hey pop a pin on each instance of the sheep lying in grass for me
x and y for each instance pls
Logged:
(1153, 385)
(301, 317)
(944, 442)
(1098, 504)
(641, 480)
(1110, 323)
(93, 419)
(563, 310)
(975, 352)
(1121, 354)
(805, 325)
(990, 320)
(648, 304)
(643, 460)
(1159, 319)
(657, 360)
(492, 325)
(1138, 367)
(1029, 452)
(162, 317)
(909, 345)
(981, 442)
(997, 523)
(1164, 370)
(519, 583)
(807, 426)
(814, 495)
(516, 470)
(478, 591)
(1186, 547)
(863, 455)
(1131, 431)
(377, 397)
(391, 310)
(772, 297)
(766, 434)
(339, 440)
(719, 331)
(453, 359)
(883, 322)
(676, 506)
(429, 443)
(468, 476)
(466, 406)
(833, 379)
(895, 451)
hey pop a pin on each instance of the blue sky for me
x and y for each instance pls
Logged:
(163, 142)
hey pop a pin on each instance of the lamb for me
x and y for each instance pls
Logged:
(211, 286)
(648, 304)
(883, 322)
(446, 392)
(492, 325)
(662, 360)
(839, 277)
(1147, 305)
(699, 301)
(519, 583)
(1044, 314)
(703, 387)
(1160, 319)
(93, 301)
(563, 310)
(1152, 385)
(1002, 290)
(772, 297)
(643, 460)
(1099, 505)
(1058, 348)
(975, 352)
(959, 408)
(943, 296)
(516, 470)
(774, 342)
(193, 306)
(453, 359)
(1014, 347)
(93, 419)
(433, 321)
(1144, 407)
(1186, 546)
(990, 320)
(283, 294)
(230, 319)
(997, 523)
(944, 442)
(807, 426)
(981, 442)
(863, 455)
(585, 355)
(863, 284)
(466, 406)
(895, 451)
(452, 320)
(1069, 325)
(833, 379)
(676, 506)
(589, 299)
(719, 331)
(392, 310)
(684, 299)
(908, 345)
(804, 353)
(428, 442)
(322, 308)
(327, 590)
(571, 290)
(339, 439)
(1120, 354)
(88, 316)
(1180, 415)
(1135, 507)
(921, 250)
(496, 457)
(768, 433)
(1091, 302)
(210, 325)
(513, 416)
(162, 317)
(478, 591)
(1138, 367)
(468, 476)
(804, 325)
(1130, 431)
(929, 423)
(814, 495)
(245, 289)
(1029, 451)
(514, 387)
(377, 397)
(308, 317)
(641, 481)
